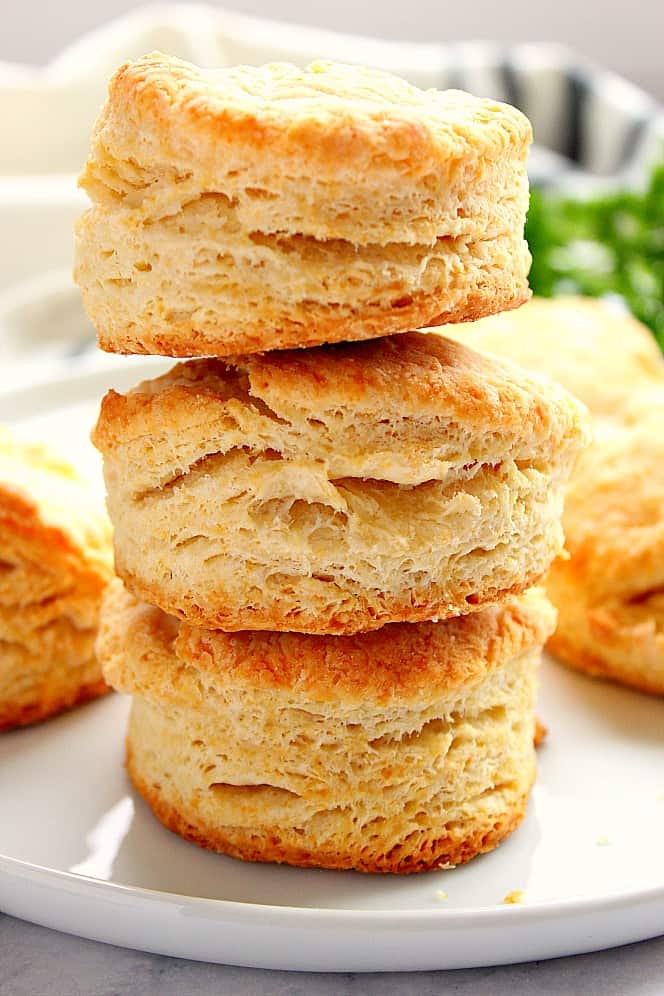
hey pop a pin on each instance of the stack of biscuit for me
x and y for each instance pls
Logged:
(324, 616)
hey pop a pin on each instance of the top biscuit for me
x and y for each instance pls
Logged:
(293, 207)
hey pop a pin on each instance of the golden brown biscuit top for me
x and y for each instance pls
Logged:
(614, 509)
(398, 663)
(412, 374)
(43, 498)
(334, 112)
(599, 353)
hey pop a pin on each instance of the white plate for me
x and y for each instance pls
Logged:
(80, 852)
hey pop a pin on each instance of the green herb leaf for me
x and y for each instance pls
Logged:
(613, 244)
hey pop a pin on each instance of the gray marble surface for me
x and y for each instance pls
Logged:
(39, 962)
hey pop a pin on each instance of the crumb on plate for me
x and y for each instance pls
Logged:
(540, 732)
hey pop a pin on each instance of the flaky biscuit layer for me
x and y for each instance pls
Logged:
(392, 751)
(339, 489)
(230, 547)
(55, 561)
(167, 289)
(260, 208)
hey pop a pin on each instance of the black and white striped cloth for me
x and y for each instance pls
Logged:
(590, 125)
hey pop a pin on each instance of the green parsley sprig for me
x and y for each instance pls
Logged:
(610, 244)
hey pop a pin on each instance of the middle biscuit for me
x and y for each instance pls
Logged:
(337, 489)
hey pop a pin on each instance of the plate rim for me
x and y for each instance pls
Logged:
(482, 916)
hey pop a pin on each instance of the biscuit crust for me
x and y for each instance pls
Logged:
(610, 593)
(337, 490)
(402, 750)
(422, 852)
(253, 209)
(55, 561)
(399, 665)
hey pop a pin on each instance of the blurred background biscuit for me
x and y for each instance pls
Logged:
(337, 489)
(609, 592)
(248, 209)
(55, 560)
(591, 346)
(396, 751)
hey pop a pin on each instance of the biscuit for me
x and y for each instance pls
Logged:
(610, 593)
(55, 560)
(397, 751)
(601, 354)
(337, 489)
(249, 209)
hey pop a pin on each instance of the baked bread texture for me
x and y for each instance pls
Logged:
(337, 489)
(600, 353)
(610, 592)
(55, 560)
(249, 209)
(398, 751)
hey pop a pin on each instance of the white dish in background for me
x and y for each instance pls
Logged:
(79, 851)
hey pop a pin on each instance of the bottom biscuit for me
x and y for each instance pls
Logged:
(402, 750)
(425, 849)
